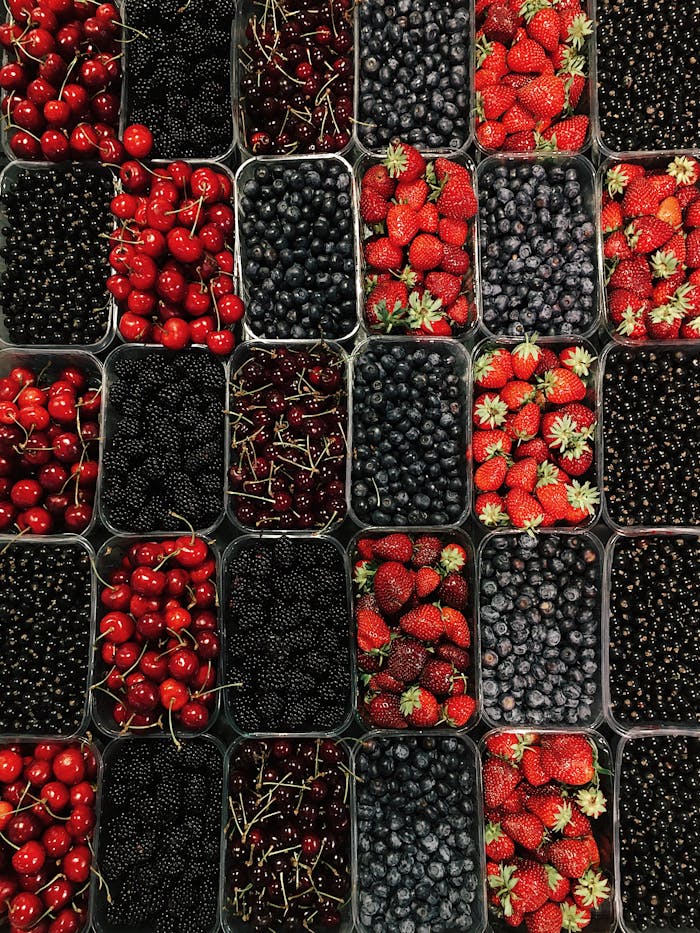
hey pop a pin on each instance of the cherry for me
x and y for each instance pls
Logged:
(10, 766)
(118, 626)
(69, 767)
(25, 910)
(175, 335)
(138, 141)
(57, 841)
(194, 716)
(58, 894)
(81, 821)
(142, 697)
(22, 828)
(29, 858)
(173, 694)
(67, 921)
(76, 864)
(56, 795)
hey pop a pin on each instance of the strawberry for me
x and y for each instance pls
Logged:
(490, 476)
(692, 247)
(583, 499)
(574, 27)
(573, 917)
(525, 357)
(523, 509)
(531, 766)
(406, 659)
(575, 85)
(377, 179)
(670, 212)
(500, 779)
(509, 745)
(393, 586)
(687, 196)
(425, 313)
(412, 193)
(616, 246)
(491, 55)
(363, 574)
(491, 135)
(546, 919)
(526, 829)
(522, 884)
(501, 22)
(384, 683)
(455, 261)
(487, 443)
(685, 170)
(453, 232)
(396, 546)
(384, 711)
(382, 254)
(420, 707)
(368, 662)
(550, 807)
(424, 623)
(514, 802)
(569, 135)
(665, 185)
(453, 557)
(568, 757)
(426, 550)
(692, 214)
(457, 656)
(494, 101)
(670, 259)
(457, 200)
(372, 631)
(553, 497)
(453, 591)
(520, 142)
(460, 313)
(577, 459)
(490, 509)
(438, 677)
(619, 176)
(620, 301)
(428, 217)
(578, 824)
(485, 77)
(563, 385)
(427, 581)
(634, 275)
(440, 327)
(368, 601)
(664, 322)
(365, 548)
(373, 206)
(543, 27)
(526, 56)
(456, 627)
(518, 119)
(444, 286)
(559, 886)
(577, 359)
(499, 846)
(611, 217)
(544, 96)
(591, 890)
(559, 430)
(458, 710)
(493, 369)
(536, 448)
(425, 252)
(489, 410)
(403, 162)
(548, 360)
(522, 475)
(525, 425)
(385, 306)
(401, 224)
(516, 393)
(646, 234)
(592, 801)
(570, 857)
(641, 197)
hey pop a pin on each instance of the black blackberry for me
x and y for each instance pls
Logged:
(56, 254)
(651, 436)
(298, 244)
(414, 78)
(164, 58)
(278, 656)
(165, 469)
(409, 434)
(538, 247)
(45, 599)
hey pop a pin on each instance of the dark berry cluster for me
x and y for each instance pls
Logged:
(164, 454)
(538, 247)
(418, 865)
(414, 77)
(654, 636)
(45, 599)
(539, 610)
(178, 75)
(659, 816)
(159, 836)
(56, 256)
(298, 246)
(409, 434)
(648, 74)
(651, 433)
(288, 636)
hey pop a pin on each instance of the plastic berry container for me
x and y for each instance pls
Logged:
(61, 542)
(241, 355)
(140, 352)
(111, 752)
(233, 549)
(49, 362)
(108, 559)
(459, 536)
(443, 347)
(592, 400)
(472, 286)
(604, 919)
(230, 923)
(586, 178)
(428, 153)
(617, 722)
(475, 796)
(244, 173)
(683, 350)
(596, 707)
(8, 181)
(650, 161)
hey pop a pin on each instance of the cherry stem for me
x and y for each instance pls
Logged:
(188, 523)
(178, 744)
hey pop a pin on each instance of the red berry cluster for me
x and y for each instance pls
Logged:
(62, 83)
(289, 453)
(418, 265)
(544, 834)
(47, 819)
(173, 256)
(534, 425)
(650, 221)
(160, 629)
(49, 438)
(531, 74)
(413, 634)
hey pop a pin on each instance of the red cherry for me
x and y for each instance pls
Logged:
(93, 74)
(36, 520)
(117, 626)
(191, 550)
(222, 216)
(134, 177)
(111, 151)
(173, 694)
(54, 145)
(82, 793)
(205, 184)
(67, 447)
(175, 334)
(201, 327)
(38, 42)
(57, 841)
(183, 664)
(133, 328)
(208, 645)
(25, 910)
(77, 99)
(221, 342)
(151, 242)
(56, 113)
(84, 140)
(28, 116)
(29, 858)
(10, 766)
(154, 666)
(6, 811)
(138, 141)
(183, 246)
(53, 69)
(81, 822)
(77, 517)
(13, 77)
(67, 921)
(58, 894)
(56, 795)
(231, 309)
(194, 716)
(76, 864)
(68, 766)
(22, 828)
(25, 146)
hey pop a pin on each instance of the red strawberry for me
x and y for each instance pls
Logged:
(514, 802)
(377, 178)
(578, 359)
(393, 586)
(413, 193)
(548, 360)
(591, 890)
(425, 252)
(453, 231)
(544, 96)
(619, 176)
(620, 300)
(439, 677)
(385, 306)
(402, 224)
(526, 56)
(536, 448)
(516, 393)
(522, 475)
(549, 805)
(453, 591)
(531, 766)
(491, 135)
(692, 214)
(641, 197)
(575, 84)
(573, 917)
(428, 217)
(368, 662)
(646, 234)
(526, 829)
(457, 656)
(500, 780)
(664, 323)
(382, 254)
(665, 185)
(420, 707)
(491, 55)
(554, 499)
(570, 857)
(493, 369)
(495, 100)
(384, 711)
(501, 22)
(567, 757)
(456, 627)
(426, 550)
(427, 581)
(518, 119)
(406, 659)
(692, 247)
(525, 424)
(611, 217)
(522, 884)
(499, 846)
(563, 385)
(489, 410)
(403, 162)
(453, 557)
(385, 683)
(491, 475)
(372, 631)
(490, 509)
(546, 919)
(574, 26)
(457, 200)
(460, 312)
(670, 212)
(520, 142)
(523, 509)
(396, 546)
(444, 286)
(458, 710)
(525, 357)
(634, 275)
(577, 459)
(373, 206)
(365, 548)
(578, 825)
(509, 745)
(616, 246)
(485, 77)
(559, 886)
(487, 443)
(685, 170)
(569, 135)
(543, 27)
(454, 260)
(424, 623)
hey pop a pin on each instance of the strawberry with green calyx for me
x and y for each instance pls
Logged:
(373, 634)
(493, 369)
(406, 659)
(453, 557)
(393, 586)
(524, 425)
(500, 778)
(560, 431)
(424, 311)
(490, 510)
(546, 919)
(578, 360)
(592, 801)
(412, 193)
(573, 917)
(456, 199)
(397, 546)
(404, 162)
(458, 710)
(522, 475)
(489, 410)
(517, 393)
(441, 678)
(568, 135)
(426, 551)
(577, 459)
(551, 806)
(619, 176)
(384, 711)
(562, 385)
(524, 510)
(559, 886)
(420, 707)
(526, 829)
(521, 884)
(569, 757)
(577, 825)
(499, 846)
(685, 170)
(553, 496)
(424, 623)
(427, 582)
(525, 357)
(591, 890)
(510, 745)
(385, 307)
(583, 500)
(486, 444)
